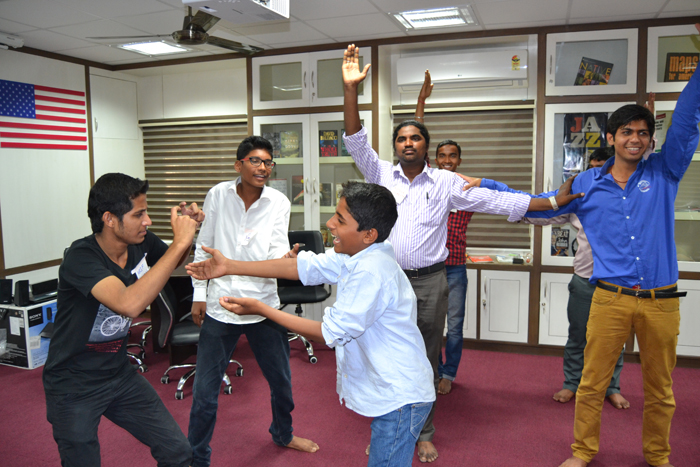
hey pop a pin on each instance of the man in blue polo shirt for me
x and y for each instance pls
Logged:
(628, 215)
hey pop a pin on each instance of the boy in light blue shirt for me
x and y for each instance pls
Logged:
(383, 371)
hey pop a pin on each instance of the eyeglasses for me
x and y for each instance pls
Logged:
(256, 161)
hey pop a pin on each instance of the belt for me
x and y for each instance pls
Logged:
(671, 292)
(413, 273)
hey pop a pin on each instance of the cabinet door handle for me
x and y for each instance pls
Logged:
(95, 118)
(313, 83)
(306, 186)
(304, 80)
(315, 185)
(545, 290)
(551, 58)
(483, 300)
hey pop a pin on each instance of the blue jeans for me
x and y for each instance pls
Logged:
(130, 402)
(217, 341)
(457, 282)
(394, 435)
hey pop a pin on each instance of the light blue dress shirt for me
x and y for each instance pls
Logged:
(380, 354)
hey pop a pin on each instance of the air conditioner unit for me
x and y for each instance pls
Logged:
(10, 41)
(243, 11)
(463, 71)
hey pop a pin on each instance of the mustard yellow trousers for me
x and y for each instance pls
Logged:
(656, 324)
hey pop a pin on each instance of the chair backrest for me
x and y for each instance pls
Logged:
(164, 305)
(312, 240)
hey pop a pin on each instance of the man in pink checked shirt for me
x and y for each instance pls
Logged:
(424, 198)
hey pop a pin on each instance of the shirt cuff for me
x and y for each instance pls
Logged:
(520, 205)
(199, 294)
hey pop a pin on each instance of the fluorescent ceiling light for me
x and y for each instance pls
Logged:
(153, 48)
(436, 17)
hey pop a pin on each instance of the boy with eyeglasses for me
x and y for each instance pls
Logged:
(246, 221)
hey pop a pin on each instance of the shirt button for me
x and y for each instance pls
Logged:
(637, 258)
(641, 278)
(627, 217)
(632, 237)
(624, 197)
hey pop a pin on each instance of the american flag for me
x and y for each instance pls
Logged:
(61, 112)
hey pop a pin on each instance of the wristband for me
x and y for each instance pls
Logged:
(553, 200)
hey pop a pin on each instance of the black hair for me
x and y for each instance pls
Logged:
(449, 142)
(372, 206)
(423, 131)
(602, 154)
(114, 193)
(252, 143)
(630, 113)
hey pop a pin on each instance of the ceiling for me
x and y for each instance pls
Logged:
(62, 26)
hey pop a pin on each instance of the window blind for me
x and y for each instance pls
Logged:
(183, 161)
(496, 144)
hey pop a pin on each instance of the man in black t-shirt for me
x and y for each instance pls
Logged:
(105, 280)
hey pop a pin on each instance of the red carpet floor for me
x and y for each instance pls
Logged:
(500, 413)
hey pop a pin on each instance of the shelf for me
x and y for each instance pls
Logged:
(687, 216)
(289, 161)
(336, 160)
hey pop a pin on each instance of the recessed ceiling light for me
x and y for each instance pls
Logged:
(436, 17)
(153, 48)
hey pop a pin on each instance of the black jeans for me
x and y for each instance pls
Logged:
(217, 341)
(130, 402)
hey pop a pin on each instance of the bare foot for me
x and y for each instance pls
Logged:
(574, 462)
(445, 386)
(563, 396)
(663, 465)
(302, 444)
(367, 450)
(426, 451)
(618, 401)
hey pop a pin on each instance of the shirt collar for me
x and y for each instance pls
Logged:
(233, 187)
(353, 260)
(398, 171)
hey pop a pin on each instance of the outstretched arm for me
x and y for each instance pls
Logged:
(352, 77)
(218, 265)
(562, 198)
(248, 306)
(425, 92)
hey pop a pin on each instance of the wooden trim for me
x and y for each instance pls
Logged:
(555, 351)
(249, 86)
(91, 149)
(63, 58)
(588, 99)
(465, 106)
(375, 99)
(306, 110)
(689, 275)
(30, 267)
(643, 32)
(193, 120)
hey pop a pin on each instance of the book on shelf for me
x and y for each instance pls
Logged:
(279, 184)
(298, 189)
(480, 259)
(680, 66)
(592, 72)
(274, 138)
(343, 150)
(327, 237)
(289, 144)
(325, 194)
(328, 143)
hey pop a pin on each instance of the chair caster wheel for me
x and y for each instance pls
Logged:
(165, 379)
(142, 355)
(143, 368)
(239, 372)
(228, 390)
(313, 359)
(179, 395)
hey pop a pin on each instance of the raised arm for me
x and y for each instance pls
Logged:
(424, 93)
(218, 265)
(352, 77)
(132, 300)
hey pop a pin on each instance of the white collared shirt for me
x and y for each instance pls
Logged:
(258, 234)
(380, 354)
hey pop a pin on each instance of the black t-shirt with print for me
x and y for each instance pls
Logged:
(88, 346)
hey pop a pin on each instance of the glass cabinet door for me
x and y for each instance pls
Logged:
(588, 63)
(291, 175)
(572, 132)
(280, 81)
(687, 205)
(335, 166)
(673, 54)
(327, 78)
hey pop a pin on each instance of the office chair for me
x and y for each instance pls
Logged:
(296, 293)
(179, 336)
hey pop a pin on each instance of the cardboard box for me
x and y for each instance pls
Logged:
(21, 341)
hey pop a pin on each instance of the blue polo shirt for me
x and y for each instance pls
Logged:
(631, 231)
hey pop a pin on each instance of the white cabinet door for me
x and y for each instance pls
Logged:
(689, 337)
(114, 109)
(504, 305)
(554, 297)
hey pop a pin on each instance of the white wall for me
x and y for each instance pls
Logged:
(43, 193)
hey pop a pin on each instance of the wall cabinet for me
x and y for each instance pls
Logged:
(671, 55)
(504, 305)
(592, 63)
(304, 80)
(554, 297)
(307, 171)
